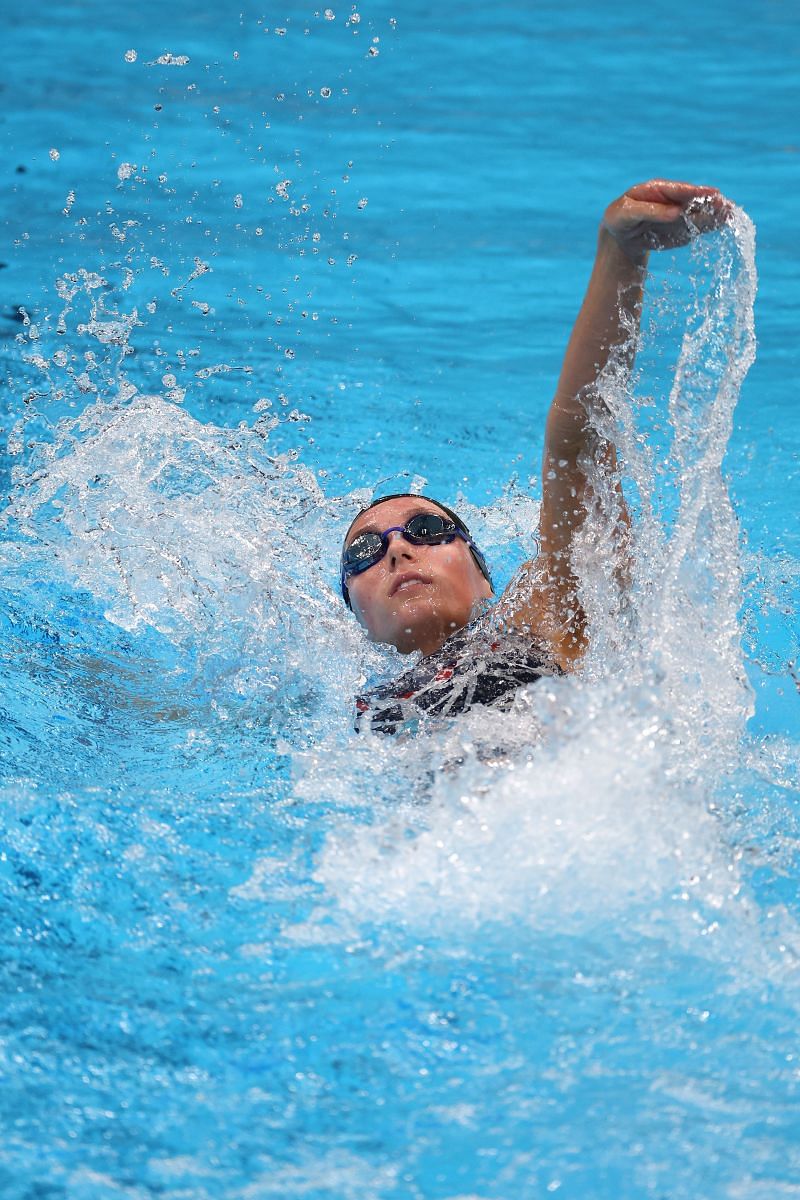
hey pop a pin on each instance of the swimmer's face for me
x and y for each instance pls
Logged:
(416, 596)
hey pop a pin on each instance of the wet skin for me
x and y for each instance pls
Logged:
(416, 596)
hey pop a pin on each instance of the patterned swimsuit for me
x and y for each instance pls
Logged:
(477, 665)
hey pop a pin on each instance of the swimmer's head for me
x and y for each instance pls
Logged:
(410, 581)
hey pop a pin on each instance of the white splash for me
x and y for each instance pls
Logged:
(602, 797)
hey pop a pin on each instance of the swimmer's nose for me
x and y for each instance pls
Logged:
(399, 548)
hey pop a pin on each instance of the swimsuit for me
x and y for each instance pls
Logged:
(479, 664)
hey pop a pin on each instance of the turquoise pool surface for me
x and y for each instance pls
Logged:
(256, 264)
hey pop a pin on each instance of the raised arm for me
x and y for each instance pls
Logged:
(651, 216)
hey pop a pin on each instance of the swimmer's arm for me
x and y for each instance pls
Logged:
(544, 598)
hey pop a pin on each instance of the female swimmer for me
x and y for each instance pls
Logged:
(410, 571)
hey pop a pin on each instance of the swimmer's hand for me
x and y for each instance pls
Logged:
(662, 214)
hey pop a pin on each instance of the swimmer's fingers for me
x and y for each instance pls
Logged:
(662, 214)
(708, 212)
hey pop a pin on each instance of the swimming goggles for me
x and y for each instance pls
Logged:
(423, 529)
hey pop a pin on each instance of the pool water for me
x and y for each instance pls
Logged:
(257, 265)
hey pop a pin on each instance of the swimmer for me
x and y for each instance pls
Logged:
(412, 574)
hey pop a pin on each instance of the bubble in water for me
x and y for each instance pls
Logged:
(131, 56)
(55, 155)
(171, 60)
(125, 170)
(168, 381)
(84, 382)
(363, 202)
(325, 92)
(330, 15)
(237, 200)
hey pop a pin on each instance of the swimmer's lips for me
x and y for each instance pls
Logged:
(403, 582)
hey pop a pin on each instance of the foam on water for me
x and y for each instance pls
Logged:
(196, 533)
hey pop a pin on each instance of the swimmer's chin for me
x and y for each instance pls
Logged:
(428, 635)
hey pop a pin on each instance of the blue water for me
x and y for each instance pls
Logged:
(244, 953)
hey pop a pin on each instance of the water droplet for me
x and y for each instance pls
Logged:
(131, 56)
(330, 15)
(363, 202)
(55, 155)
(351, 258)
(168, 381)
(60, 358)
(325, 93)
(237, 200)
(374, 52)
(280, 32)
